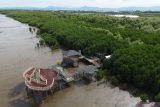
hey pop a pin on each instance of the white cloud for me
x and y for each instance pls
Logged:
(79, 3)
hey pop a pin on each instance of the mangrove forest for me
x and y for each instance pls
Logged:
(133, 43)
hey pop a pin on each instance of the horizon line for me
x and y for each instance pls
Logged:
(78, 6)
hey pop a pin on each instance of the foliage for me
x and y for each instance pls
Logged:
(144, 97)
(92, 33)
(157, 97)
(114, 80)
(49, 40)
(100, 74)
(139, 65)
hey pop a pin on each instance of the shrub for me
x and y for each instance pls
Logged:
(157, 97)
(144, 97)
(114, 80)
(41, 42)
(100, 74)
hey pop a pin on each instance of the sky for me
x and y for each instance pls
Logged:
(80, 3)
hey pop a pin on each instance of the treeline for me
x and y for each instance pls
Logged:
(138, 65)
(91, 32)
(133, 42)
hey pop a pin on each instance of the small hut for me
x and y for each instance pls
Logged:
(88, 72)
(70, 58)
(69, 62)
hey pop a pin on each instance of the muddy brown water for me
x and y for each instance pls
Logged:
(18, 51)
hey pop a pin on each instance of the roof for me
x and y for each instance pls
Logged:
(67, 62)
(63, 73)
(39, 79)
(91, 61)
(91, 69)
(71, 53)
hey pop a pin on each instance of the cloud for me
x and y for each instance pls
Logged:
(79, 3)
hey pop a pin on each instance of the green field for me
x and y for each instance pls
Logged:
(133, 42)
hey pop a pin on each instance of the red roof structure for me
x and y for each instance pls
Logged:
(39, 79)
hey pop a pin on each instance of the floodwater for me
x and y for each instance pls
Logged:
(130, 16)
(91, 96)
(18, 51)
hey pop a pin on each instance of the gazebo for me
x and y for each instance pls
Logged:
(39, 79)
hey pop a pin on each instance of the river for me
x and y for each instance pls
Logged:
(18, 51)
(121, 15)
